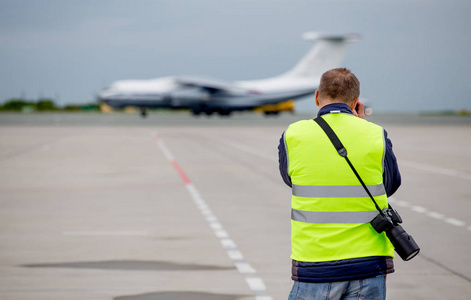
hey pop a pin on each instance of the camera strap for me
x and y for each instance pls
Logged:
(343, 152)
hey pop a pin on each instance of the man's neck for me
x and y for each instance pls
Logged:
(335, 106)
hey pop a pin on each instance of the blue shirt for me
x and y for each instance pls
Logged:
(348, 269)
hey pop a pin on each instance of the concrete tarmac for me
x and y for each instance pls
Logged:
(173, 207)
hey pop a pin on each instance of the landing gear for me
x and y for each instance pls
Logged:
(196, 112)
(143, 112)
(224, 112)
(271, 113)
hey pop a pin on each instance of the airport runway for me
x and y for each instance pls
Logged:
(172, 207)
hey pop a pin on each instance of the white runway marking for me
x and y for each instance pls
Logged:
(235, 254)
(164, 148)
(437, 170)
(435, 215)
(418, 209)
(432, 214)
(255, 283)
(455, 222)
(245, 268)
(402, 203)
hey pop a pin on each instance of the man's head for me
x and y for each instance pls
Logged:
(338, 85)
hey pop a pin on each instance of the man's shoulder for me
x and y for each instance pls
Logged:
(373, 125)
(365, 122)
(301, 123)
(299, 127)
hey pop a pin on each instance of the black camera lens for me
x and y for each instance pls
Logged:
(403, 243)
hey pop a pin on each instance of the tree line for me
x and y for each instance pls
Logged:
(43, 104)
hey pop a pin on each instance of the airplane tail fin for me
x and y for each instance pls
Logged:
(327, 53)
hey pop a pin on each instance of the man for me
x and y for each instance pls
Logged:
(336, 253)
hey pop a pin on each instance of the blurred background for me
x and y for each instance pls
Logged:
(101, 207)
(413, 55)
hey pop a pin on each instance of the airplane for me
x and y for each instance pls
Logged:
(204, 95)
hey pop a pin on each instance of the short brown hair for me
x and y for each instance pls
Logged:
(339, 84)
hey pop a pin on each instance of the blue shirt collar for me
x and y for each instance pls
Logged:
(337, 107)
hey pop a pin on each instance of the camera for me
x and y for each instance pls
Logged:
(388, 221)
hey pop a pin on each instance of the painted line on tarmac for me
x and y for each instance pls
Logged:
(437, 170)
(254, 282)
(429, 213)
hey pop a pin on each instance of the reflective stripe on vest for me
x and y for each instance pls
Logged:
(333, 217)
(337, 191)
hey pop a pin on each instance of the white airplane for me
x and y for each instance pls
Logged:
(202, 95)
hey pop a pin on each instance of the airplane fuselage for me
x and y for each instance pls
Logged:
(199, 99)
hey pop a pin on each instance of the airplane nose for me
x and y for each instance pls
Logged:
(104, 94)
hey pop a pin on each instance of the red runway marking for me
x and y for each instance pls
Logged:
(180, 171)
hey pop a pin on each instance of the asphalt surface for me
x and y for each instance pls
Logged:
(174, 207)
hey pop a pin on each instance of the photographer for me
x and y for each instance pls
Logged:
(336, 254)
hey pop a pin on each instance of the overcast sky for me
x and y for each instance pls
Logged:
(414, 55)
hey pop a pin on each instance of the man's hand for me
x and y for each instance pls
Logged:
(359, 110)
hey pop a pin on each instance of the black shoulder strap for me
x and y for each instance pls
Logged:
(343, 152)
(332, 136)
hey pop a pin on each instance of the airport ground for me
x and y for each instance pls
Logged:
(174, 207)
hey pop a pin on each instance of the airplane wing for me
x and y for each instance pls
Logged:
(314, 35)
(209, 84)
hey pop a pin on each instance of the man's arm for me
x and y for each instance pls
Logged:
(391, 175)
(283, 161)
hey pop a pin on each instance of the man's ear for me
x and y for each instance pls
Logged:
(317, 97)
(354, 103)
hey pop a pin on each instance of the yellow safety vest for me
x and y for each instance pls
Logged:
(331, 210)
